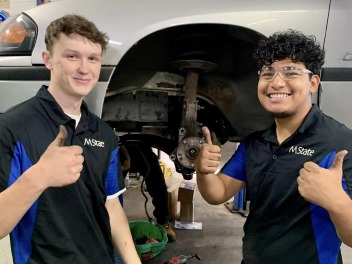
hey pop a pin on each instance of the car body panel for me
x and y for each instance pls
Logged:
(339, 41)
(136, 19)
(337, 85)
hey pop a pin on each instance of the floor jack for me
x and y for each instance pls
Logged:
(181, 259)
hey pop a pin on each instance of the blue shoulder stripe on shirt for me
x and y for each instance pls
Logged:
(21, 235)
(327, 241)
(235, 167)
(111, 183)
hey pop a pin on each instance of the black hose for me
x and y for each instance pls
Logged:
(150, 219)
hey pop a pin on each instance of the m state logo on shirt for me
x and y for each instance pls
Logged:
(93, 142)
(301, 151)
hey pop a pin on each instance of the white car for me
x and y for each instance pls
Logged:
(172, 66)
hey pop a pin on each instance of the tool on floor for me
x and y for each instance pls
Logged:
(182, 259)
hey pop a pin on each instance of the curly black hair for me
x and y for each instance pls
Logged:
(293, 45)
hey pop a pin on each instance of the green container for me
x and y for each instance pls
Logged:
(141, 229)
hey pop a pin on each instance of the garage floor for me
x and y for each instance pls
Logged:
(219, 240)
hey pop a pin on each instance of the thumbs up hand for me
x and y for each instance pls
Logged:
(322, 186)
(60, 165)
(209, 156)
(60, 138)
(207, 135)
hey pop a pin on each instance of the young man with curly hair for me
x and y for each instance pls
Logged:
(282, 226)
(59, 181)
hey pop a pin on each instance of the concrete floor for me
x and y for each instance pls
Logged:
(219, 241)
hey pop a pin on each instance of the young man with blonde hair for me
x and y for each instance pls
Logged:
(58, 191)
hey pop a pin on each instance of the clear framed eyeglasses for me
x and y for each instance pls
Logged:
(268, 73)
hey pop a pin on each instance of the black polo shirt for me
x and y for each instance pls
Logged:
(68, 224)
(282, 227)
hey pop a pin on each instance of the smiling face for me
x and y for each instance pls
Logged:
(287, 98)
(75, 64)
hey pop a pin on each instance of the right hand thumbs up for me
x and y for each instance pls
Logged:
(60, 165)
(207, 135)
(60, 138)
(209, 155)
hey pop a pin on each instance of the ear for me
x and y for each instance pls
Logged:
(314, 83)
(47, 59)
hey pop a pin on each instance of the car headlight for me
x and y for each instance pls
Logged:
(17, 35)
